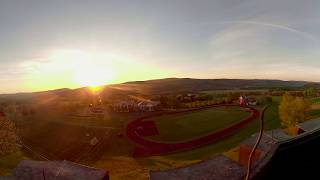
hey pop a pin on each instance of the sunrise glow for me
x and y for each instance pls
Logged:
(75, 68)
(93, 77)
(109, 89)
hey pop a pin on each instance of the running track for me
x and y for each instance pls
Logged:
(145, 147)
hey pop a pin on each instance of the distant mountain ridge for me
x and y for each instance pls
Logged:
(189, 84)
(165, 86)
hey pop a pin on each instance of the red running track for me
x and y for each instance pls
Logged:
(145, 147)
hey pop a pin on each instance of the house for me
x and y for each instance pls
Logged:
(124, 106)
(148, 105)
(96, 110)
(131, 106)
(247, 101)
(243, 101)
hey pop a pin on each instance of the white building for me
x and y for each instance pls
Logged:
(148, 105)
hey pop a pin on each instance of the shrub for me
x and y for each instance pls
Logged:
(8, 136)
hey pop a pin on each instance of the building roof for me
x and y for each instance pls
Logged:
(148, 103)
(310, 125)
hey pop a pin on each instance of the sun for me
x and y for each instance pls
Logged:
(93, 76)
(88, 69)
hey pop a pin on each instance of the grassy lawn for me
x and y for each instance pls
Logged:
(118, 161)
(315, 101)
(10, 161)
(272, 119)
(188, 125)
(216, 148)
(195, 124)
(138, 168)
(271, 122)
(234, 91)
(315, 112)
(114, 120)
(117, 158)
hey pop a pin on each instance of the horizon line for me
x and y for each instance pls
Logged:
(125, 82)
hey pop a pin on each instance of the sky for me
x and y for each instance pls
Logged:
(49, 44)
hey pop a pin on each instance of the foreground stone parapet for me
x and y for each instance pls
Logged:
(218, 168)
(310, 125)
(223, 168)
(57, 170)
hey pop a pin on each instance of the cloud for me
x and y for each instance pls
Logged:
(254, 43)
(248, 49)
(277, 26)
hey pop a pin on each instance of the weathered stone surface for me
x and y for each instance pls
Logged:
(7, 178)
(57, 170)
(265, 144)
(218, 168)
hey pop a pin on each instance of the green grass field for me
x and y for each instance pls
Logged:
(10, 161)
(138, 168)
(272, 119)
(235, 91)
(315, 101)
(186, 126)
(46, 130)
(117, 158)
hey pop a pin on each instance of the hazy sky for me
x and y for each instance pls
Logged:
(49, 44)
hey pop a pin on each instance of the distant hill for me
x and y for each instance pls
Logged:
(186, 84)
(312, 85)
(160, 86)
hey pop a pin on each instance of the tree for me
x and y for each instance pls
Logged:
(310, 92)
(262, 100)
(164, 101)
(8, 136)
(173, 102)
(293, 110)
